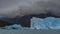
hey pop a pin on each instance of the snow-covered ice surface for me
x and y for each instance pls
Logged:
(47, 23)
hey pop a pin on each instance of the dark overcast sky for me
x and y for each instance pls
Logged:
(12, 8)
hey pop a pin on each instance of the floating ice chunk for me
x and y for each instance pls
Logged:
(16, 26)
(38, 23)
(8, 27)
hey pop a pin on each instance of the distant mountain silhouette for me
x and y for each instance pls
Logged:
(4, 23)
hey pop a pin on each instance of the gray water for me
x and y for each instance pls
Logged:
(2, 31)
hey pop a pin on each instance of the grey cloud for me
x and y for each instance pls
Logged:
(12, 8)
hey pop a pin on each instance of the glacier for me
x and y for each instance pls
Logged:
(39, 23)
(46, 23)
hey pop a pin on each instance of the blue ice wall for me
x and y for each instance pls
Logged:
(47, 23)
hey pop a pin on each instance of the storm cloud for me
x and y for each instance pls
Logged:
(13, 8)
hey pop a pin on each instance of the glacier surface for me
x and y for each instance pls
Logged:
(46, 23)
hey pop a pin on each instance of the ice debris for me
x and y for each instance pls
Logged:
(8, 27)
(15, 26)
